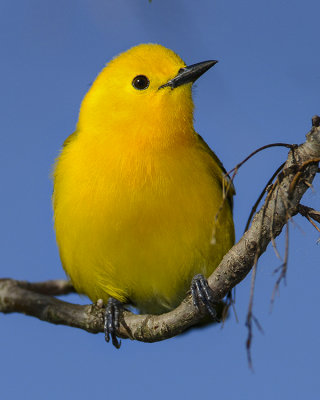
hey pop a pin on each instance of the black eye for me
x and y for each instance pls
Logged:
(140, 82)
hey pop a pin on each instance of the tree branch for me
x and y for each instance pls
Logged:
(36, 299)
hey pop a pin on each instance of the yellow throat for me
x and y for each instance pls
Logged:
(136, 189)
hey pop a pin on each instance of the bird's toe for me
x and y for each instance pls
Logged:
(203, 295)
(112, 321)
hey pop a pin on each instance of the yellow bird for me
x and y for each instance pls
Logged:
(137, 190)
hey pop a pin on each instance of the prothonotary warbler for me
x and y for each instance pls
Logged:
(138, 193)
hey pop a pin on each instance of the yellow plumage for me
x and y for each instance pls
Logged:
(136, 189)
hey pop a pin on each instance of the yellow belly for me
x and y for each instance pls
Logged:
(139, 227)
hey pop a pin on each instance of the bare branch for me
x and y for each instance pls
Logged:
(52, 288)
(309, 212)
(30, 298)
(311, 215)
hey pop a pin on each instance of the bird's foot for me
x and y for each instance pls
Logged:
(202, 294)
(112, 321)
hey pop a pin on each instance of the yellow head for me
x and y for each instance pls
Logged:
(147, 88)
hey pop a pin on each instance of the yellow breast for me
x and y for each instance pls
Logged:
(138, 226)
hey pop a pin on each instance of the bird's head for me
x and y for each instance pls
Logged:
(146, 87)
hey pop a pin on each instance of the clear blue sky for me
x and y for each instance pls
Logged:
(264, 89)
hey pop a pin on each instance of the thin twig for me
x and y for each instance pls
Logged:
(255, 206)
(284, 269)
(310, 220)
(308, 211)
(287, 145)
(311, 215)
(250, 315)
(274, 245)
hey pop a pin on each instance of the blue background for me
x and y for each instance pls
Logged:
(264, 89)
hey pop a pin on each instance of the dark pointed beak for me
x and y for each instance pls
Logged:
(189, 74)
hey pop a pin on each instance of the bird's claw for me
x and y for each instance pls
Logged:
(112, 321)
(202, 294)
